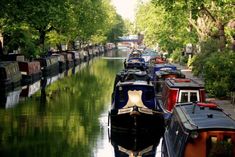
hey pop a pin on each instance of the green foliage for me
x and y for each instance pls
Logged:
(208, 48)
(20, 37)
(164, 27)
(53, 22)
(219, 73)
(176, 55)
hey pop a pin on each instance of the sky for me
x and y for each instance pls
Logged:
(126, 8)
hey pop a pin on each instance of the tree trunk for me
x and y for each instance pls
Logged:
(42, 36)
(222, 38)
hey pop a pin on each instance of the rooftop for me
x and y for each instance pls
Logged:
(200, 117)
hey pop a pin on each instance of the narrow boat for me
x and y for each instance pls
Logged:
(179, 90)
(131, 74)
(153, 68)
(31, 71)
(75, 56)
(84, 54)
(10, 76)
(49, 65)
(69, 60)
(134, 106)
(164, 73)
(13, 57)
(199, 129)
(62, 62)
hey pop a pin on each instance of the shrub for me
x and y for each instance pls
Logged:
(219, 73)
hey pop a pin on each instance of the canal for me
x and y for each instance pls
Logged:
(67, 115)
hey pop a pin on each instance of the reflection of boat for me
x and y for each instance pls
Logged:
(29, 90)
(10, 75)
(10, 99)
(76, 69)
(199, 129)
(134, 106)
(139, 145)
(49, 80)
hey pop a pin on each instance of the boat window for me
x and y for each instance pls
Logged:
(188, 96)
(184, 97)
(217, 148)
(193, 96)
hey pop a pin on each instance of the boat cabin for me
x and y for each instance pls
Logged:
(160, 67)
(49, 65)
(75, 56)
(179, 90)
(135, 63)
(199, 129)
(131, 75)
(10, 75)
(68, 59)
(161, 75)
(31, 71)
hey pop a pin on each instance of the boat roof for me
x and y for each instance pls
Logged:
(207, 117)
(169, 66)
(135, 82)
(183, 83)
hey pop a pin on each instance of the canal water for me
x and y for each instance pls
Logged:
(67, 115)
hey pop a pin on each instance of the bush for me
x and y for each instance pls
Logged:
(176, 55)
(219, 73)
(208, 48)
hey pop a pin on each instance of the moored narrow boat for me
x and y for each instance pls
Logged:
(134, 106)
(49, 65)
(10, 76)
(199, 129)
(180, 90)
(31, 71)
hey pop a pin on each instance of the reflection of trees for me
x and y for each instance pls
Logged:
(66, 124)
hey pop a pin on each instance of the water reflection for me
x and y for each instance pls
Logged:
(141, 144)
(61, 119)
(29, 90)
(9, 99)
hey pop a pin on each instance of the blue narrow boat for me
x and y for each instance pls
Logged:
(134, 106)
(135, 61)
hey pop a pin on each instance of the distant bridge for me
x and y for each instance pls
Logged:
(131, 39)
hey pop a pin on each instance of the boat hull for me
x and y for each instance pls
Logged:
(135, 120)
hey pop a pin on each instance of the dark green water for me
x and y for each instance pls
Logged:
(67, 118)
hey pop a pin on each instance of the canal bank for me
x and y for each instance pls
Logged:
(226, 105)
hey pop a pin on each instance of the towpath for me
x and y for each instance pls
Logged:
(226, 105)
